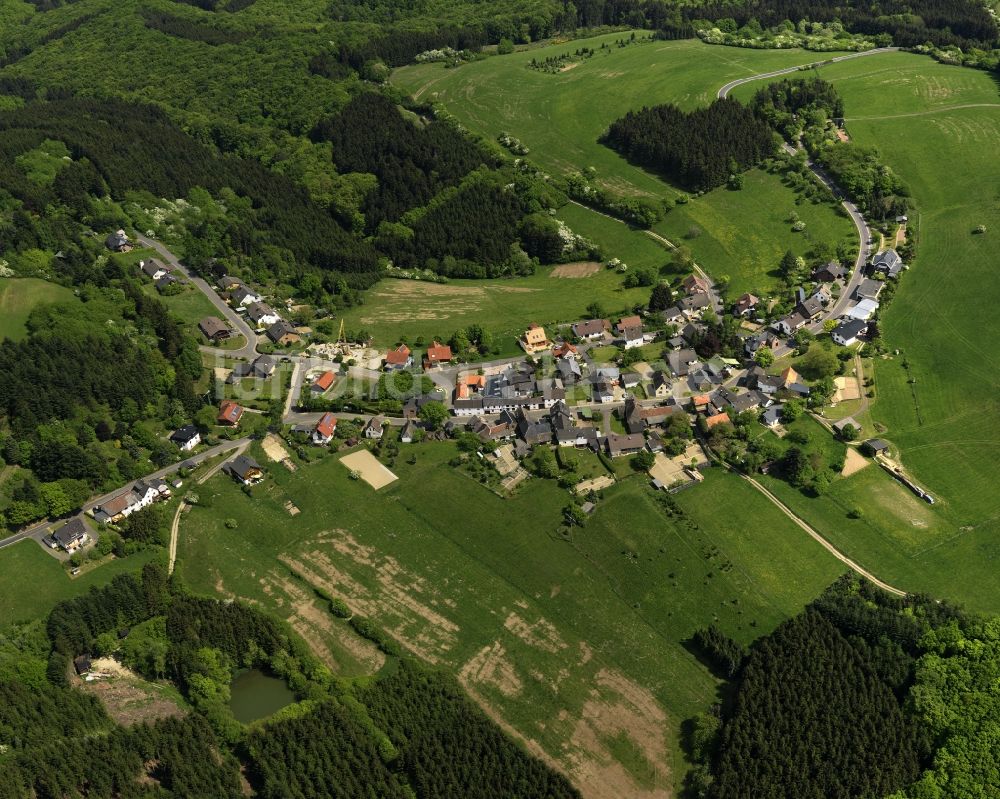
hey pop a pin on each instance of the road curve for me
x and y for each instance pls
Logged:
(724, 91)
(249, 350)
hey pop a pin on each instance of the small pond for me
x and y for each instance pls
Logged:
(256, 695)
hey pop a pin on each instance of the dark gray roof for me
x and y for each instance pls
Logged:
(241, 465)
(888, 261)
(852, 328)
(70, 532)
(184, 434)
(279, 329)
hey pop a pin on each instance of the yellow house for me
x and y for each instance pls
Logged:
(535, 339)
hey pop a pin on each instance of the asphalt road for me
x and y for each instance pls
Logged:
(249, 350)
(40, 529)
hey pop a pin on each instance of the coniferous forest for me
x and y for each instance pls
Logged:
(698, 150)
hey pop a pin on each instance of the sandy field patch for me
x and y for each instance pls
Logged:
(575, 270)
(491, 666)
(376, 474)
(541, 634)
(618, 708)
(595, 484)
(128, 698)
(848, 388)
(666, 470)
(643, 368)
(273, 448)
(854, 462)
(568, 67)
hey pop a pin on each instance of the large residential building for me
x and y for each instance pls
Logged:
(535, 340)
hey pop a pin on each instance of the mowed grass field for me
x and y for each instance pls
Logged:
(19, 296)
(577, 644)
(939, 128)
(506, 307)
(561, 116)
(32, 582)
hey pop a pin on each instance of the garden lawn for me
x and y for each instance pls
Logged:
(560, 117)
(32, 581)
(543, 630)
(19, 297)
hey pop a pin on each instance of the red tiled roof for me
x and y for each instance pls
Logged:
(719, 418)
(324, 381)
(438, 352)
(398, 356)
(326, 425)
(564, 349)
(229, 412)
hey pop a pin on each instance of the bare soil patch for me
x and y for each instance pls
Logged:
(540, 634)
(576, 270)
(128, 698)
(373, 472)
(491, 666)
(274, 448)
(854, 462)
(848, 388)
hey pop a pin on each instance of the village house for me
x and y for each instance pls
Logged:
(408, 432)
(322, 383)
(633, 337)
(673, 316)
(766, 339)
(661, 385)
(437, 354)
(325, 429)
(745, 305)
(630, 380)
(244, 470)
(230, 413)
(829, 272)
(790, 323)
(141, 495)
(868, 289)
(227, 283)
(680, 361)
(260, 368)
(398, 358)
(618, 446)
(564, 350)
(847, 333)
(72, 535)
(186, 438)
(241, 297)
(532, 431)
(487, 430)
(154, 269)
(283, 333)
(864, 310)
(694, 303)
(591, 330)
(811, 308)
(696, 284)
(627, 322)
(534, 339)
(888, 263)
(165, 282)
(772, 416)
(719, 418)
(638, 418)
(570, 371)
(118, 242)
(214, 329)
(469, 385)
(374, 429)
(262, 314)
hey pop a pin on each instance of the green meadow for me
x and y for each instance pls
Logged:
(544, 629)
(19, 296)
(506, 307)
(740, 234)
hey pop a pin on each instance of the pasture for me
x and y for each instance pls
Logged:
(560, 117)
(576, 642)
(507, 307)
(32, 581)
(939, 128)
(19, 296)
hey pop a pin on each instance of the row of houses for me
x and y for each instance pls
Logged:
(401, 357)
(259, 313)
(140, 495)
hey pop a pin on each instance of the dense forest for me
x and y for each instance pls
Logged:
(847, 700)
(700, 149)
(410, 733)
